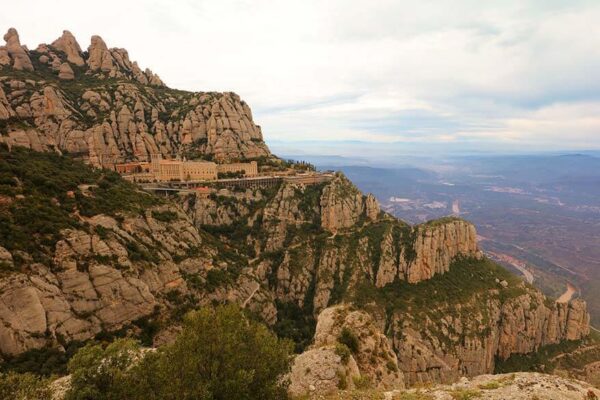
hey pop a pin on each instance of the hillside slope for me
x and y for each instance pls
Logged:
(84, 254)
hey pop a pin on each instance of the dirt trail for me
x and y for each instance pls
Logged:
(567, 295)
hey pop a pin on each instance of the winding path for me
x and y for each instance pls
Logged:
(567, 295)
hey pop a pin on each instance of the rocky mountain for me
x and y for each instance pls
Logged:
(84, 254)
(101, 106)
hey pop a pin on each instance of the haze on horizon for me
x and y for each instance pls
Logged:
(511, 76)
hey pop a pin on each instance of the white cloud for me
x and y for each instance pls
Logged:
(495, 73)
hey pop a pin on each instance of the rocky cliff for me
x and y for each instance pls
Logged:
(100, 106)
(443, 309)
(84, 253)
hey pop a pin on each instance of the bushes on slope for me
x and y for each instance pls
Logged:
(219, 355)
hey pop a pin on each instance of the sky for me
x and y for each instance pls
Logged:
(400, 76)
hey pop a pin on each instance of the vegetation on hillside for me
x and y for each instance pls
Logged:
(43, 193)
(219, 355)
(568, 355)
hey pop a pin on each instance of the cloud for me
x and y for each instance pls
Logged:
(488, 75)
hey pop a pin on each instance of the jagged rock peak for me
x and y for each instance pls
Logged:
(16, 52)
(116, 64)
(68, 44)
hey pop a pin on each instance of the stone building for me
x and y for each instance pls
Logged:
(249, 169)
(161, 170)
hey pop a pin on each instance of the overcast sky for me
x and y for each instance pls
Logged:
(514, 76)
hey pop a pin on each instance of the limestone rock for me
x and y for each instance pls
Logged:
(17, 53)
(4, 56)
(99, 56)
(66, 72)
(341, 205)
(321, 371)
(68, 44)
(375, 357)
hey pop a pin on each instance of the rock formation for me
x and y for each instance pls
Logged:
(68, 44)
(99, 129)
(20, 59)
(291, 253)
(66, 72)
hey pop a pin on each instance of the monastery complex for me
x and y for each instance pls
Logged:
(161, 170)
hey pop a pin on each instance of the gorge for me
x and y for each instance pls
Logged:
(85, 254)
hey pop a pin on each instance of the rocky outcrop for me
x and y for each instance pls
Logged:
(16, 52)
(436, 245)
(374, 356)
(342, 205)
(68, 44)
(66, 72)
(321, 371)
(105, 279)
(517, 386)
(471, 336)
(137, 117)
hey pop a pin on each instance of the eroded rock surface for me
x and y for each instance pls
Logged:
(131, 115)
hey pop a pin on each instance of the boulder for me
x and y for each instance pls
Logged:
(66, 72)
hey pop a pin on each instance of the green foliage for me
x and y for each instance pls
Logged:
(44, 193)
(466, 278)
(99, 373)
(219, 355)
(216, 278)
(295, 323)
(165, 216)
(26, 386)
(546, 360)
(418, 395)
(362, 382)
(343, 351)
(491, 385)
(349, 338)
(45, 361)
(465, 394)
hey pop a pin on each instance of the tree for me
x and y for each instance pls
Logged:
(99, 373)
(219, 355)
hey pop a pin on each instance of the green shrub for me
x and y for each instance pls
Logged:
(165, 216)
(219, 355)
(343, 351)
(362, 382)
(465, 394)
(99, 373)
(348, 338)
(26, 386)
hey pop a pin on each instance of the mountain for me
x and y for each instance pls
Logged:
(85, 255)
(103, 108)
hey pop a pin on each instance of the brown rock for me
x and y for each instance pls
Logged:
(66, 72)
(99, 56)
(68, 44)
(4, 56)
(17, 53)
(321, 371)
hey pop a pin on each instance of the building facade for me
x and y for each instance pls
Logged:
(249, 169)
(160, 170)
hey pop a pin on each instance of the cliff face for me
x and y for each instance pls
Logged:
(468, 339)
(103, 108)
(83, 252)
(444, 310)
